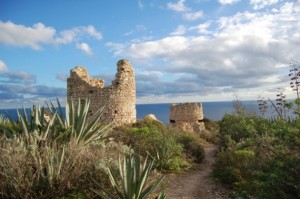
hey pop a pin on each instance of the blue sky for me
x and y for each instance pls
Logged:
(182, 50)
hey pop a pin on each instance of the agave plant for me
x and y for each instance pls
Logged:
(33, 129)
(75, 126)
(133, 180)
(78, 127)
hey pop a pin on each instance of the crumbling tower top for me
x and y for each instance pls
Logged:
(118, 98)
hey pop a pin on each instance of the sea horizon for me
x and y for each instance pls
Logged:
(212, 110)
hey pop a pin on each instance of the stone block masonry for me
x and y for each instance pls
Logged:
(187, 116)
(118, 98)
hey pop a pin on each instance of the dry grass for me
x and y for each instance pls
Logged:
(48, 170)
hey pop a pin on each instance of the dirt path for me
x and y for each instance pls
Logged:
(197, 184)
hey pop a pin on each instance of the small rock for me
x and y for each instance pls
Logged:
(150, 117)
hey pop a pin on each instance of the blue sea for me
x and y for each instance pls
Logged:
(212, 110)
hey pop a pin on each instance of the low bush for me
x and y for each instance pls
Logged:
(158, 142)
(210, 134)
(30, 171)
(55, 158)
(192, 146)
(259, 158)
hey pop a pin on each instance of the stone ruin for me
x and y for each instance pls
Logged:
(119, 98)
(187, 117)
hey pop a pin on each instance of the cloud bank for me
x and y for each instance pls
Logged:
(39, 34)
(241, 53)
(20, 87)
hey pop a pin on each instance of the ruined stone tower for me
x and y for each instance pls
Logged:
(118, 98)
(187, 116)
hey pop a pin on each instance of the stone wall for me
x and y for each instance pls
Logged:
(187, 116)
(118, 98)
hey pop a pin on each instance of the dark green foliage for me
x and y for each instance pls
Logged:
(158, 142)
(259, 158)
(148, 123)
(210, 125)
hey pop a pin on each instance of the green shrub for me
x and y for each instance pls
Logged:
(160, 143)
(210, 125)
(147, 122)
(192, 146)
(259, 157)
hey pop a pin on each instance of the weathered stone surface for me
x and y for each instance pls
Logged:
(187, 116)
(118, 98)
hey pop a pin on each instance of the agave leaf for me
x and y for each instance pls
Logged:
(133, 179)
(95, 119)
(50, 124)
(113, 180)
(25, 115)
(67, 121)
(36, 121)
(107, 196)
(77, 120)
(23, 124)
(61, 161)
(60, 108)
(151, 188)
(72, 114)
(82, 121)
(140, 181)
(53, 110)
(99, 193)
(162, 195)
(144, 176)
(126, 175)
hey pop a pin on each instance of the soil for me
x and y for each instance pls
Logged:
(197, 184)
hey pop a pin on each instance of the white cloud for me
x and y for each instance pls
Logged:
(201, 28)
(117, 48)
(240, 53)
(85, 48)
(136, 29)
(178, 6)
(19, 35)
(91, 30)
(74, 34)
(260, 4)
(192, 16)
(228, 1)
(180, 30)
(141, 5)
(186, 12)
(3, 67)
(8, 76)
(62, 76)
(38, 34)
